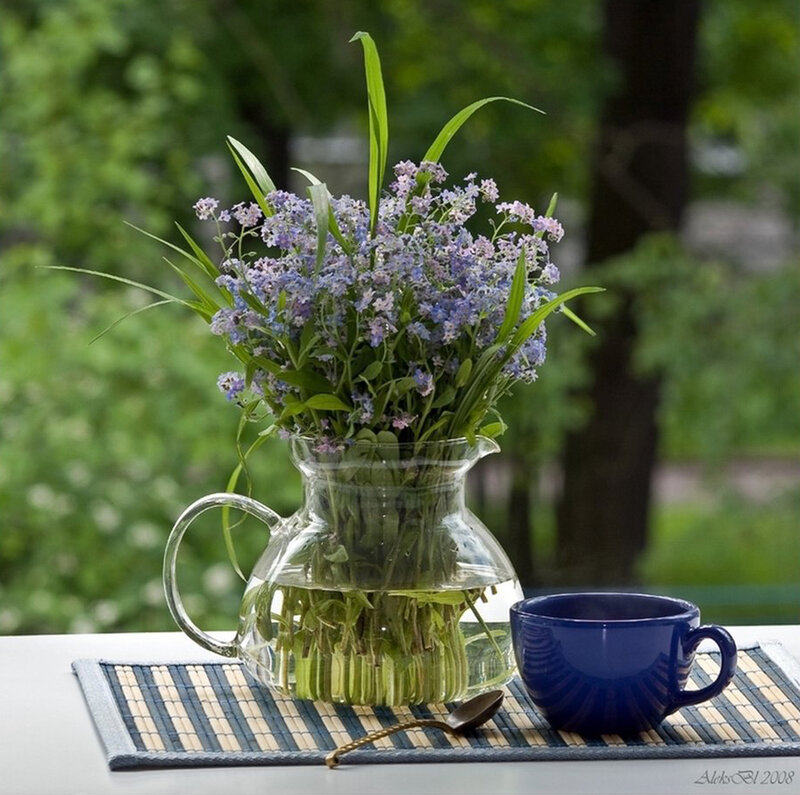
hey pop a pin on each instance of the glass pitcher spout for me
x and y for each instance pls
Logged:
(486, 446)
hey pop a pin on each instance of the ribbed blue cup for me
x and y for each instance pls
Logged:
(612, 663)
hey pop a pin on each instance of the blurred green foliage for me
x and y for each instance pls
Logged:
(726, 343)
(114, 111)
(103, 445)
(95, 97)
(748, 79)
(735, 540)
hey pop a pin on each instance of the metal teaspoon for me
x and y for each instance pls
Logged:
(466, 716)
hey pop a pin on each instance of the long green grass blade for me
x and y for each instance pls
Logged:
(227, 527)
(185, 254)
(451, 128)
(255, 190)
(578, 321)
(308, 175)
(485, 370)
(253, 164)
(333, 225)
(494, 358)
(114, 278)
(208, 265)
(230, 487)
(515, 298)
(378, 123)
(533, 322)
(322, 211)
(130, 314)
(207, 299)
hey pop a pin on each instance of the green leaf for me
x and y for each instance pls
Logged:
(372, 370)
(493, 429)
(440, 423)
(258, 193)
(254, 303)
(253, 164)
(551, 208)
(515, 297)
(191, 257)
(319, 199)
(339, 555)
(230, 487)
(333, 225)
(202, 258)
(249, 372)
(577, 321)
(378, 123)
(304, 379)
(360, 598)
(462, 376)
(482, 373)
(327, 402)
(130, 314)
(401, 386)
(386, 437)
(434, 597)
(308, 339)
(290, 409)
(123, 280)
(208, 299)
(366, 436)
(227, 535)
(494, 358)
(308, 175)
(533, 322)
(451, 128)
(387, 448)
(445, 398)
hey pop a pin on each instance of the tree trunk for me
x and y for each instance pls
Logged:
(640, 184)
(272, 141)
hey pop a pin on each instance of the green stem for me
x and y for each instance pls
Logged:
(483, 624)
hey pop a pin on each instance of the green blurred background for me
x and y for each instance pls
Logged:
(112, 111)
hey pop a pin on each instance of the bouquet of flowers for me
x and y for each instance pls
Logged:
(379, 336)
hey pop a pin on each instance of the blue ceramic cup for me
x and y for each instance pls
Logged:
(612, 663)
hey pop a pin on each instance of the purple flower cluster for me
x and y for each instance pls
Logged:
(231, 385)
(422, 293)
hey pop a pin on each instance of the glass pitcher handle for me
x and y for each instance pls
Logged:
(176, 608)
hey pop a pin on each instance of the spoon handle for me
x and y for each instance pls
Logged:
(332, 759)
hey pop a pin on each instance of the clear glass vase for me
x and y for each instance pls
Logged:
(383, 588)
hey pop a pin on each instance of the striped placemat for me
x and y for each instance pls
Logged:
(200, 714)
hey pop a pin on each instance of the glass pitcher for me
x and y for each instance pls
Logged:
(382, 589)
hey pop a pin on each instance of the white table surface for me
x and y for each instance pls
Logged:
(48, 745)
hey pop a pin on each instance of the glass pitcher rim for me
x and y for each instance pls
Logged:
(484, 444)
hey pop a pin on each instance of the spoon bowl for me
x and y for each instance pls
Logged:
(475, 711)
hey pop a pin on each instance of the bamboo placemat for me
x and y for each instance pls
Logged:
(204, 714)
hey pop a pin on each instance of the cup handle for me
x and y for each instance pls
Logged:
(727, 668)
(176, 608)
